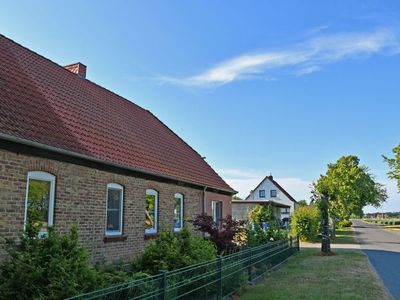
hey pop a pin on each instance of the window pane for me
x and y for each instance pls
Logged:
(114, 199)
(177, 213)
(38, 203)
(113, 220)
(150, 212)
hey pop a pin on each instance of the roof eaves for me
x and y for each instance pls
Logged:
(31, 143)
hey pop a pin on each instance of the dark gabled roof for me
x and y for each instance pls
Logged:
(42, 102)
(277, 185)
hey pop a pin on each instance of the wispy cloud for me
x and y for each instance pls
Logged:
(300, 59)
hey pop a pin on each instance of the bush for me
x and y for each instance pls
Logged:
(305, 223)
(226, 236)
(264, 226)
(345, 223)
(171, 251)
(54, 267)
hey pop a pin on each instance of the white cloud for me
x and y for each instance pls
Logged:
(303, 58)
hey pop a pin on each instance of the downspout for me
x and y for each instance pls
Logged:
(204, 200)
(204, 206)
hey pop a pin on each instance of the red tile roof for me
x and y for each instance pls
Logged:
(40, 101)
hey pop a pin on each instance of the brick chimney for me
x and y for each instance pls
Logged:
(77, 68)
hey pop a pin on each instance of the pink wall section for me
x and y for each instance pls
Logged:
(226, 200)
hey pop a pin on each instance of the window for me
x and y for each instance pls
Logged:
(273, 193)
(285, 210)
(178, 212)
(115, 195)
(261, 193)
(39, 201)
(151, 211)
(216, 210)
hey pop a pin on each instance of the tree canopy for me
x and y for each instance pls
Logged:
(394, 165)
(349, 187)
(302, 203)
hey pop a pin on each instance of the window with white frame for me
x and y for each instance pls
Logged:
(151, 211)
(285, 210)
(115, 199)
(273, 193)
(216, 211)
(261, 193)
(178, 212)
(39, 201)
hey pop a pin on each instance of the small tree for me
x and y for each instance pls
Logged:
(222, 236)
(349, 187)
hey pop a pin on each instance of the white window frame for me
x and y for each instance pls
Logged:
(44, 176)
(115, 186)
(181, 197)
(152, 192)
(213, 211)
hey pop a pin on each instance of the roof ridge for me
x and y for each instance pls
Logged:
(69, 72)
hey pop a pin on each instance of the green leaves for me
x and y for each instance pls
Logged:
(305, 222)
(394, 165)
(349, 187)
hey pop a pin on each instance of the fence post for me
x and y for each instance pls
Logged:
(298, 243)
(249, 268)
(162, 287)
(219, 277)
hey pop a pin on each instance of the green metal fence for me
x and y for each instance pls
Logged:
(214, 279)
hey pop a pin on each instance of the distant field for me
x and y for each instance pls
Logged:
(390, 222)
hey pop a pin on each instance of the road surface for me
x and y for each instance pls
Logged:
(383, 250)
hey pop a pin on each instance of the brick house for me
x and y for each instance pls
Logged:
(77, 153)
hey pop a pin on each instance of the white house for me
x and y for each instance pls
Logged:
(268, 191)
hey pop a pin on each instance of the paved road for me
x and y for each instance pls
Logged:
(383, 250)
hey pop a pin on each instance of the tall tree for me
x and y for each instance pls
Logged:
(348, 187)
(394, 165)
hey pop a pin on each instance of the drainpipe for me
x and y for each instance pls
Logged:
(204, 206)
(204, 200)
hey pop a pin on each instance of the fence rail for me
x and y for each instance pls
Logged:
(214, 279)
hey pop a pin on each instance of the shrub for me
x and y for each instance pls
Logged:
(305, 222)
(54, 267)
(261, 214)
(264, 226)
(170, 251)
(345, 223)
(223, 236)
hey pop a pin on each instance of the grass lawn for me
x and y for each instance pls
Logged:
(344, 236)
(346, 275)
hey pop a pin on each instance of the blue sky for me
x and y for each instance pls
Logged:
(256, 87)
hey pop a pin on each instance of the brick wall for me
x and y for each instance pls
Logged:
(81, 198)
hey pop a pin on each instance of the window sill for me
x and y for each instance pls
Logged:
(148, 236)
(115, 238)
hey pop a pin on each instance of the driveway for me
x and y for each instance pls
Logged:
(383, 250)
